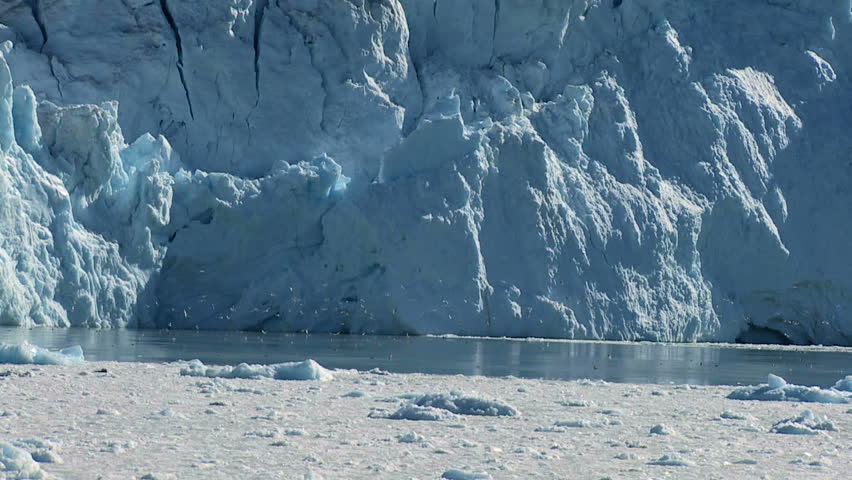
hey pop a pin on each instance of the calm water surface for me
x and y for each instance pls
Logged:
(568, 360)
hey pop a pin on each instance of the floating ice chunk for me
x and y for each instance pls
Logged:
(411, 411)
(777, 389)
(42, 451)
(411, 437)
(454, 474)
(46, 456)
(573, 424)
(661, 430)
(729, 415)
(26, 353)
(550, 430)
(670, 461)
(805, 424)
(460, 404)
(116, 446)
(437, 406)
(774, 381)
(844, 384)
(158, 476)
(305, 370)
(18, 463)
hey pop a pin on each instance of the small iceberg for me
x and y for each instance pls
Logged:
(29, 354)
(778, 390)
(805, 424)
(437, 406)
(18, 463)
(305, 370)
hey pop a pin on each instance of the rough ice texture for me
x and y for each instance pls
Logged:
(778, 390)
(805, 424)
(26, 353)
(651, 169)
(844, 384)
(417, 413)
(306, 370)
(17, 463)
(461, 404)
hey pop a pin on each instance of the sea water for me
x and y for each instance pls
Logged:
(700, 364)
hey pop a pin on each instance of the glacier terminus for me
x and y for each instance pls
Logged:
(630, 170)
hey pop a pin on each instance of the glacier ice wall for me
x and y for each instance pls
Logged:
(636, 169)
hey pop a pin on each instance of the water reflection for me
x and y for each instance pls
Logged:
(634, 363)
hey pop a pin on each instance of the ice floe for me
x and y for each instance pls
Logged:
(17, 463)
(26, 353)
(305, 370)
(461, 404)
(454, 474)
(440, 406)
(313, 425)
(670, 461)
(805, 424)
(844, 384)
(778, 390)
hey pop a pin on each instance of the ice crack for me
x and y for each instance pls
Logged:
(259, 12)
(53, 74)
(494, 31)
(38, 16)
(164, 6)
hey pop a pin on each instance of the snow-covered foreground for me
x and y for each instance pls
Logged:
(128, 420)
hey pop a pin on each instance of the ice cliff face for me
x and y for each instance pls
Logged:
(627, 169)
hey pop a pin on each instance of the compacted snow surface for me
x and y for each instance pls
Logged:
(153, 421)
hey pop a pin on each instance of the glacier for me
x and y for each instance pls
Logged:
(630, 170)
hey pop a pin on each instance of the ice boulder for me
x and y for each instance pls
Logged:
(461, 404)
(844, 384)
(306, 370)
(26, 353)
(18, 463)
(778, 390)
(805, 424)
